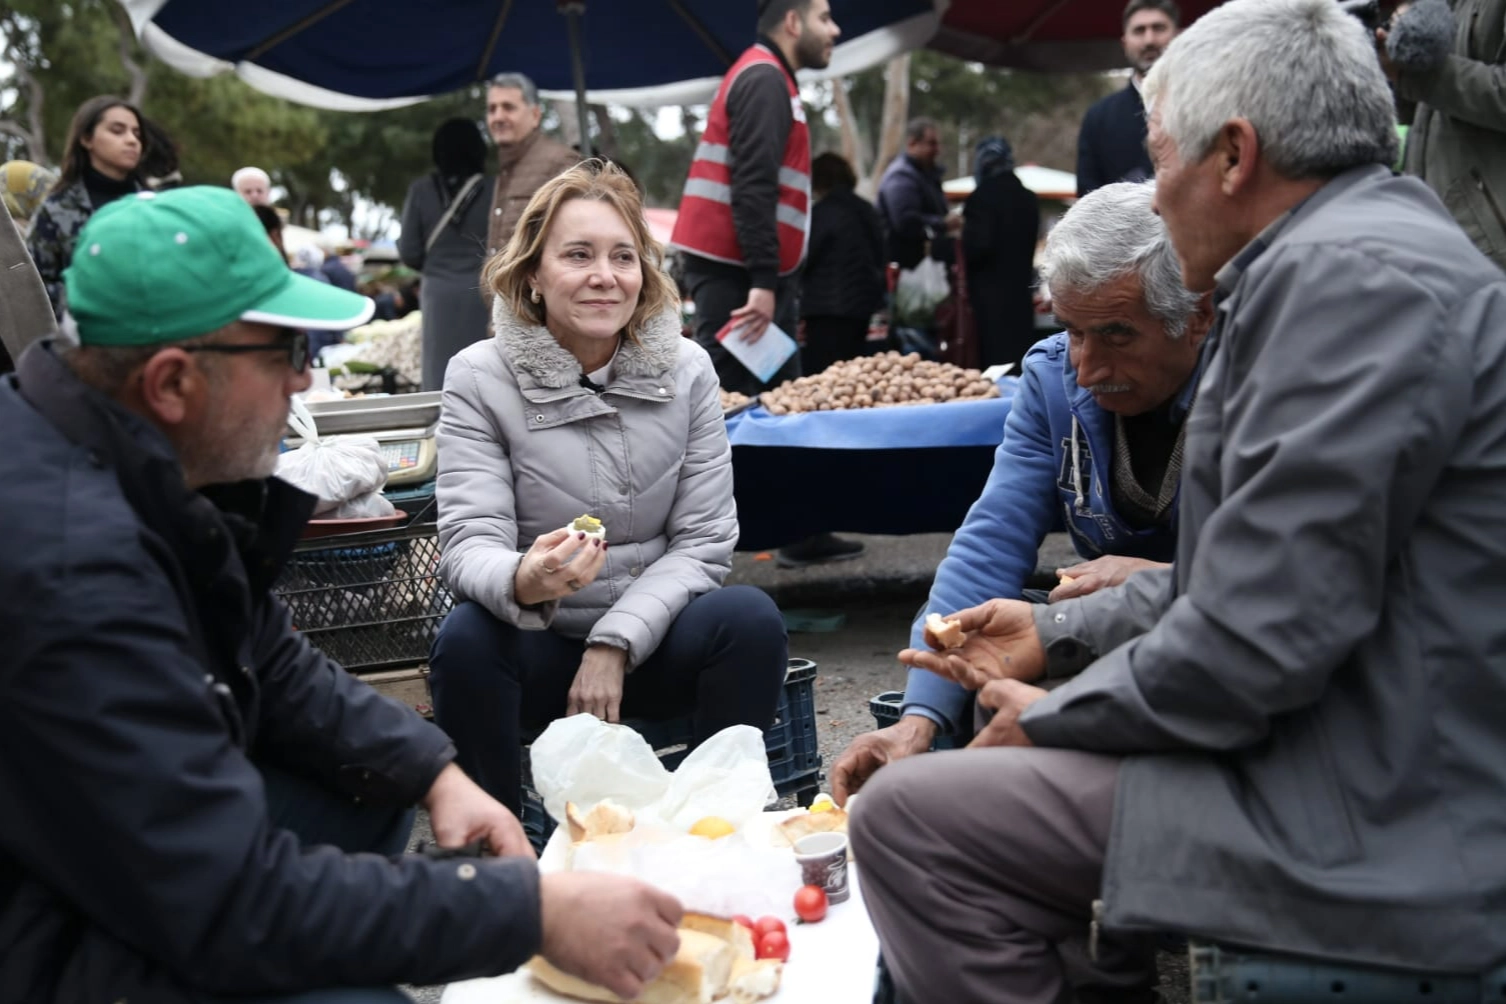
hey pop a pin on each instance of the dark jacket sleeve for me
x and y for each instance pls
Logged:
(122, 792)
(759, 121)
(1089, 174)
(980, 219)
(414, 235)
(317, 717)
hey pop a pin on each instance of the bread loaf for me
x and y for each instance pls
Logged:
(698, 974)
(942, 634)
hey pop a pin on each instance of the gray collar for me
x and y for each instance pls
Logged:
(536, 355)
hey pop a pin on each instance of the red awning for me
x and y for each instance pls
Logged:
(1048, 35)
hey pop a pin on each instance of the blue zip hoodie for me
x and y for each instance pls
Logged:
(1052, 471)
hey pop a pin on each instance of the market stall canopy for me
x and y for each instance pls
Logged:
(1047, 35)
(363, 55)
(1046, 182)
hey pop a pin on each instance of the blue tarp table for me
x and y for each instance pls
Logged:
(887, 470)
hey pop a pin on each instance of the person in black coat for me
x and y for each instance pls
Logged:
(1111, 144)
(844, 267)
(1001, 222)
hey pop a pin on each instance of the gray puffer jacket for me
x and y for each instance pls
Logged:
(524, 449)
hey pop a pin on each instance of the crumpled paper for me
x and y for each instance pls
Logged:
(582, 759)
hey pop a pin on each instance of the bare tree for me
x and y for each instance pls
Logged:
(569, 122)
(134, 70)
(19, 38)
(852, 142)
(896, 110)
(606, 133)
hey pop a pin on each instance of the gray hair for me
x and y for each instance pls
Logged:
(248, 173)
(520, 81)
(1109, 233)
(1302, 72)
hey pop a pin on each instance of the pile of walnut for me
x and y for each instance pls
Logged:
(732, 399)
(882, 381)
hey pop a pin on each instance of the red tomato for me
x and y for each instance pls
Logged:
(766, 924)
(810, 903)
(774, 945)
(745, 921)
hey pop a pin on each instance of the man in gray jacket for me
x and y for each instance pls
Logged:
(1453, 64)
(1289, 740)
(25, 312)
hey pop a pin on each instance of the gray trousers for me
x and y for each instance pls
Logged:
(979, 870)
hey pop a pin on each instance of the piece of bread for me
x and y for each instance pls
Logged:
(698, 974)
(730, 931)
(805, 823)
(1066, 579)
(606, 817)
(942, 634)
(754, 979)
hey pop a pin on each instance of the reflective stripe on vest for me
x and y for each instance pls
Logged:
(705, 225)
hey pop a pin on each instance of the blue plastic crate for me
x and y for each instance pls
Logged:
(794, 754)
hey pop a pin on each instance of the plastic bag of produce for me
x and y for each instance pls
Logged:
(919, 292)
(347, 474)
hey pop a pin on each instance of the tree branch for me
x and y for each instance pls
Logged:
(133, 69)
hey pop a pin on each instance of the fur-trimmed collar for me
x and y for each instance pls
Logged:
(534, 350)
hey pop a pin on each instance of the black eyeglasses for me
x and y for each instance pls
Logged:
(296, 345)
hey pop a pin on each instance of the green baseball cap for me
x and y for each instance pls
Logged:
(165, 266)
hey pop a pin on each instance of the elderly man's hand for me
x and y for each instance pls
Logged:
(1001, 643)
(1100, 573)
(1007, 699)
(461, 813)
(868, 752)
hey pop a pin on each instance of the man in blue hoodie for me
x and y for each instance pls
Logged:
(1093, 445)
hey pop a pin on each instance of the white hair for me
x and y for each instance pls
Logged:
(249, 174)
(1111, 232)
(1302, 72)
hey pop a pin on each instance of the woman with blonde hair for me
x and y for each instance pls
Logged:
(588, 401)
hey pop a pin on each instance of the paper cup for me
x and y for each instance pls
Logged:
(823, 862)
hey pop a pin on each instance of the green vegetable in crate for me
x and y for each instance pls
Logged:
(589, 525)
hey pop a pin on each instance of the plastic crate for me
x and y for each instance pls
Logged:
(794, 756)
(885, 707)
(370, 601)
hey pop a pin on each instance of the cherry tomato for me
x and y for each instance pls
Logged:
(810, 903)
(764, 925)
(744, 920)
(774, 945)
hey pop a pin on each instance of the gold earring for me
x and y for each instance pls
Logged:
(534, 296)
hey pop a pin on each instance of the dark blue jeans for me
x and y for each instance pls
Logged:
(722, 662)
(320, 816)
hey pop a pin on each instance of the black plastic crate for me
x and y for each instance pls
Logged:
(794, 756)
(885, 707)
(370, 601)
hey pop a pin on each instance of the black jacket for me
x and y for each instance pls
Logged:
(1111, 145)
(912, 207)
(144, 663)
(1000, 224)
(844, 266)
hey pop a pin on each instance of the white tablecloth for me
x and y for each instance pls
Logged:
(831, 962)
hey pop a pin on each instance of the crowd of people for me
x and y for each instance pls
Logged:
(1260, 711)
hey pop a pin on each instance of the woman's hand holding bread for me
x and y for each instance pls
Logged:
(559, 563)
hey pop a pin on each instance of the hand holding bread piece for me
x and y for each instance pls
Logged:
(943, 634)
(609, 932)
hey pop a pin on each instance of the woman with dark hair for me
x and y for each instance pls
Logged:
(444, 238)
(101, 163)
(843, 282)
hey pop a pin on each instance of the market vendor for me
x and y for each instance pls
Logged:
(589, 402)
(197, 804)
(1093, 443)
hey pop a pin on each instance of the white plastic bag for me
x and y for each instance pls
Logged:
(582, 759)
(919, 292)
(347, 474)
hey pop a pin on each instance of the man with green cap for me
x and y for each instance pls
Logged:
(190, 792)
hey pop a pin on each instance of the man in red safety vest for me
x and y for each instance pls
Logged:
(746, 209)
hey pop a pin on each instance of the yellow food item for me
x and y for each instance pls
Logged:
(588, 524)
(823, 803)
(712, 828)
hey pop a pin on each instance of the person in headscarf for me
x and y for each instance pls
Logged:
(445, 219)
(24, 185)
(1001, 221)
